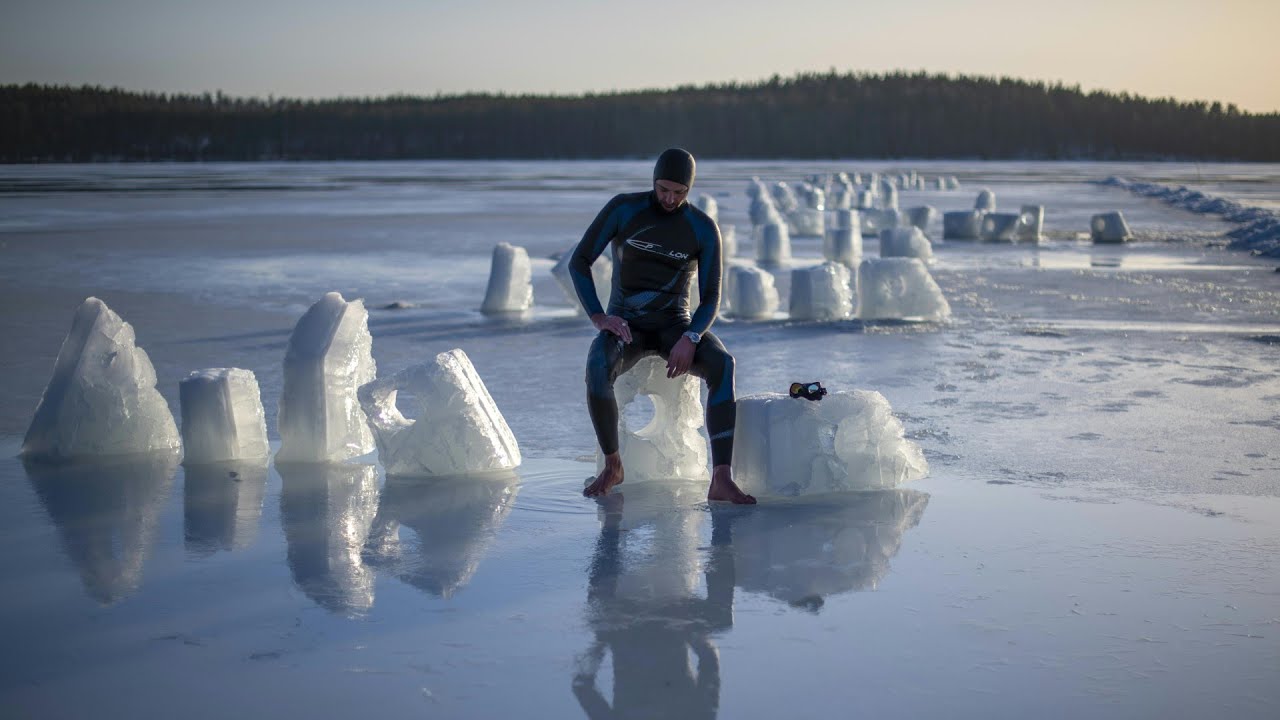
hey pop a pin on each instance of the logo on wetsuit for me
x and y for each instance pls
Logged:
(656, 249)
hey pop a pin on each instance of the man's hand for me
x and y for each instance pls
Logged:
(612, 324)
(680, 357)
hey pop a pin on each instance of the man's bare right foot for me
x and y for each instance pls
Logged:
(607, 479)
(724, 489)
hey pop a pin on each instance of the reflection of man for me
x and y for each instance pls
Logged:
(659, 241)
(650, 638)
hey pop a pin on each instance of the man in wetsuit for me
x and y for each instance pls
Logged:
(660, 242)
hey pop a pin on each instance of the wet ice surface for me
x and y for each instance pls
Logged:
(1098, 535)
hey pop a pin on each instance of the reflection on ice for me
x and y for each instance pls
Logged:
(106, 514)
(454, 519)
(326, 510)
(803, 552)
(222, 504)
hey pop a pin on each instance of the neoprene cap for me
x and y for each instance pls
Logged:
(676, 165)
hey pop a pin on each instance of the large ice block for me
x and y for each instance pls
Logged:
(899, 288)
(906, 241)
(920, 216)
(753, 295)
(1031, 223)
(986, 201)
(849, 440)
(102, 398)
(773, 244)
(459, 429)
(669, 446)
(1109, 228)
(601, 274)
(822, 292)
(222, 416)
(330, 355)
(1000, 227)
(510, 287)
(962, 225)
(843, 245)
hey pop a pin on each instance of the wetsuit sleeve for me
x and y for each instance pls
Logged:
(709, 269)
(593, 243)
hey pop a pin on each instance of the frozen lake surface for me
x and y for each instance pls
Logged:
(1099, 534)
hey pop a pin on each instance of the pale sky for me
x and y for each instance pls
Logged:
(1222, 50)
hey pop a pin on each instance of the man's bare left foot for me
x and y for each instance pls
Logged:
(607, 479)
(724, 489)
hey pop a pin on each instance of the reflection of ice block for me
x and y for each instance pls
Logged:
(822, 292)
(728, 241)
(459, 429)
(1000, 227)
(754, 296)
(843, 245)
(962, 225)
(601, 275)
(803, 552)
(330, 354)
(102, 398)
(222, 504)
(453, 520)
(222, 417)
(876, 221)
(708, 205)
(510, 281)
(849, 440)
(921, 216)
(905, 242)
(670, 446)
(773, 244)
(1031, 223)
(899, 288)
(1109, 228)
(106, 514)
(326, 511)
(986, 201)
(807, 221)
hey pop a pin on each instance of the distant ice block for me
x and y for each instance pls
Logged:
(510, 281)
(953, 183)
(822, 292)
(601, 274)
(986, 201)
(222, 416)
(905, 242)
(755, 188)
(899, 288)
(728, 243)
(1031, 223)
(865, 200)
(841, 196)
(330, 355)
(1000, 227)
(773, 244)
(849, 440)
(763, 212)
(806, 221)
(222, 504)
(875, 221)
(843, 245)
(102, 398)
(1109, 228)
(753, 296)
(939, 183)
(845, 218)
(459, 429)
(920, 216)
(669, 446)
(888, 195)
(708, 205)
(326, 512)
(785, 197)
(962, 225)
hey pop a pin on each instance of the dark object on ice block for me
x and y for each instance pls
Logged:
(808, 391)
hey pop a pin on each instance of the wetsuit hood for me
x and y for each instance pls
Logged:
(676, 165)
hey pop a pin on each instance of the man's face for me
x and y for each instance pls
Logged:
(671, 195)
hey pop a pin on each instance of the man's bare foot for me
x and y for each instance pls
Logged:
(723, 488)
(609, 477)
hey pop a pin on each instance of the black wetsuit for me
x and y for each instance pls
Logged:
(656, 255)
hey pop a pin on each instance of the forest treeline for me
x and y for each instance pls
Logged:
(807, 116)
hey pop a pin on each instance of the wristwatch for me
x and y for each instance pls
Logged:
(693, 337)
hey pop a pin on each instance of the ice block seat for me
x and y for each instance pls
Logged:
(671, 445)
(849, 440)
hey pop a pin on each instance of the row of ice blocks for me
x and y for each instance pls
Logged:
(887, 288)
(1025, 226)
